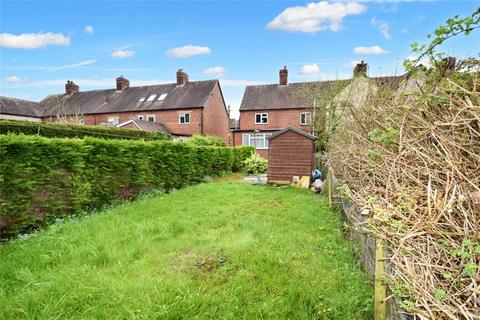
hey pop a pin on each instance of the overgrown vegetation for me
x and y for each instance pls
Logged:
(54, 130)
(410, 158)
(212, 251)
(42, 178)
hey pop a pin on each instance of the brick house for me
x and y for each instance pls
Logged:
(266, 109)
(183, 108)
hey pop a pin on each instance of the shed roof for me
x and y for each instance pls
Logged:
(301, 132)
(193, 94)
(20, 107)
(146, 125)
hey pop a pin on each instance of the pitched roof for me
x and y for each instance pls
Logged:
(19, 107)
(301, 132)
(275, 96)
(146, 125)
(193, 94)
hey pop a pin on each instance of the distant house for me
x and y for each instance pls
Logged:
(17, 109)
(183, 108)
(142, 125)
(266, 109)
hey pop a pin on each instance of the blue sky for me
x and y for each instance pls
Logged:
(45, 43)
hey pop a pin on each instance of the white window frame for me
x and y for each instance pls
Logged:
(182, 115)
(262, 115)
(151, 116)
(257, 140)
(113, 121)
(141, 117)
(307, 123)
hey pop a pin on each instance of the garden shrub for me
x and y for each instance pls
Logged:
(54, 130)
(44, 178)
(206, 141)
(256, 164)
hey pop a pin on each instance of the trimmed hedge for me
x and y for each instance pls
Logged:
(41, 178)
(55, 130)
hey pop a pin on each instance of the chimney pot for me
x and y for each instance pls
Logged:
(182, 77)
(360, 69)
(283, 76)
(71, 88)
(122, 83)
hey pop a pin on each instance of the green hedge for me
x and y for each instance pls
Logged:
(54, 130)
(42, 178)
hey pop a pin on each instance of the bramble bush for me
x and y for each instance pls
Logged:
(45, 178)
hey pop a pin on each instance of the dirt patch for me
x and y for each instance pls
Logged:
(211, 262)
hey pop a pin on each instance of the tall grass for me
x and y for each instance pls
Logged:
(219, 250)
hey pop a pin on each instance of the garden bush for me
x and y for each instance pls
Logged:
(206, 141)
(45, 178)
(54, 130)
(256, 164)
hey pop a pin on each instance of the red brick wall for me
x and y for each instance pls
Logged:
(167, 117)
(290, 154)
(276, 119)
(215, 115)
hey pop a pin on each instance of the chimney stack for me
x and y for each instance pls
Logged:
(71, 88)
(283, 76)
(182, 77)
(360, 69)
(122, 83)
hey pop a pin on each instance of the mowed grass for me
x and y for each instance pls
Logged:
(222, 250)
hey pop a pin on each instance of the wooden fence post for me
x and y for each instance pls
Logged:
(330, 187)
(380, 310)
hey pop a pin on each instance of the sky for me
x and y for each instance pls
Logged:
(45, 43)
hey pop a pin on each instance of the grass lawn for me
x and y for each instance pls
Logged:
(223, 250)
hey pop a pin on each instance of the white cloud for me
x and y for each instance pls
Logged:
(374, 50)
(215, 71)
(33, 40)
(88, 29)
(14, 79)
(315, 16)
(309, 69)
(120, 54)
(188, 51)
(74, 65)
(383, 26)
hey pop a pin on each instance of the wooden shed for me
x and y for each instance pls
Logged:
(291, 153)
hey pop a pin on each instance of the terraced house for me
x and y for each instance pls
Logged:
(266, 109)
(183, 108)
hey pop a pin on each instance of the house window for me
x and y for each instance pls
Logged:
(142, 99)
(152, 97)
(151, 118)
(261, 118)
(81, 121)
(305, 118)
(141, 117)
(184, 118)
(257, 140)
(162, 96)
(112, 121)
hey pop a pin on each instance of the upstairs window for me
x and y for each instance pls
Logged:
(151, 118)
(162, 96)
(184, 118)
(141, 117)
(112, 121)
(261, 118)
(305, 118)
(142, 99)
